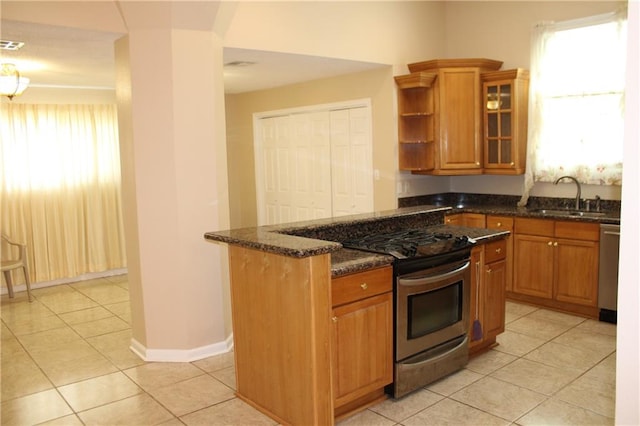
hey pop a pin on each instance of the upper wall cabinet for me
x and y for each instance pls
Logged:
(416, 121)
(442, 118)
(505, 99)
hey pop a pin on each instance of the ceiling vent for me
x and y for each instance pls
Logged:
(10, 45)
(239, 64)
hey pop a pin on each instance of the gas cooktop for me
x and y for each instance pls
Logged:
(411, 243)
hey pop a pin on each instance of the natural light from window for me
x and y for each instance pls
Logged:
(56, 147)
(576, 117)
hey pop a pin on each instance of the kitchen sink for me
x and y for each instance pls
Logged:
(562, 212)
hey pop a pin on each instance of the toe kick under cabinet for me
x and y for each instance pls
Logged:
(556, 264)
(362, 338)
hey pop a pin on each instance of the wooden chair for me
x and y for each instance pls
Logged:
(19, 262)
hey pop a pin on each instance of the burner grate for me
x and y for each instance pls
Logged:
(409, 243)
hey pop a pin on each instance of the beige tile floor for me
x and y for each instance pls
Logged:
(66, 361)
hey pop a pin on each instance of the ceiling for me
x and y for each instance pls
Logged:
(75, 58)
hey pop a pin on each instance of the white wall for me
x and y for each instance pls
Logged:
(385, 32)
(628, 342)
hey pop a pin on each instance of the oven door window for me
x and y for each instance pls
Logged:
(434, 310)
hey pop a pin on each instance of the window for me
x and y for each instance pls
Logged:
(576, 101)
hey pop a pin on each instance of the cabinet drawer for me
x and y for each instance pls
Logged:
(474, 220)
(503, 223)
(578, 230)
(453, 219)
(352, 287)
(540, 227)
(496, 250)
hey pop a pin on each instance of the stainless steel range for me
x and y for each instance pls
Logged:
(431, 303)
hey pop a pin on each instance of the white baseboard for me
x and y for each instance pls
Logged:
(181, 355)
(83, 277)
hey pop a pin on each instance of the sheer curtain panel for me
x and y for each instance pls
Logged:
(576, 99)
(61, 187)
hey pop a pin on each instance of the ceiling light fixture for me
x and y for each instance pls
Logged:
(11, 84)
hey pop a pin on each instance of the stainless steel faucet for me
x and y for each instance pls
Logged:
(578, 195)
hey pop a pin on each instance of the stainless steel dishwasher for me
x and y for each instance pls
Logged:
(608, 275)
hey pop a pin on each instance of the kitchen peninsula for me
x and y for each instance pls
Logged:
(286, 284)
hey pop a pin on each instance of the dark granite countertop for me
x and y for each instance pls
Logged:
(347, 261)
(506, 205)
(312, 238)
(607, 217)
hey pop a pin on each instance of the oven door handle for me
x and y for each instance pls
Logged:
(428, 279)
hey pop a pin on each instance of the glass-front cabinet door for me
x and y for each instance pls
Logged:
(505, 97)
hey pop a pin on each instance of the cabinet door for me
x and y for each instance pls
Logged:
(362, 347)
(505, 223)
(495, 274)
(453, 219)
(473, 220)
(505, 98)
(476, 299)
(459, 119)
(499, 152)
(533, 265)
(576, 275)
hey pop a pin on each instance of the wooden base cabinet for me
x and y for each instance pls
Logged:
(362, 338)
(504, 223)
(556, 264)
(282, 334)
(488, 275)
(472, 220)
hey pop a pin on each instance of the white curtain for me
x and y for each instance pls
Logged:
(576, 99)
(61, 187)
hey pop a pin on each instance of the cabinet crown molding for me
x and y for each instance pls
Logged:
(482, 63)
(417, 79)
(505, 75)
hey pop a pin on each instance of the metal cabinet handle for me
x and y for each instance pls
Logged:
(499, 250)
(334, 319)
(364, 286)
(550, 243)
(555, 244)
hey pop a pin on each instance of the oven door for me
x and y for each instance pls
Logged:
(432, 307)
